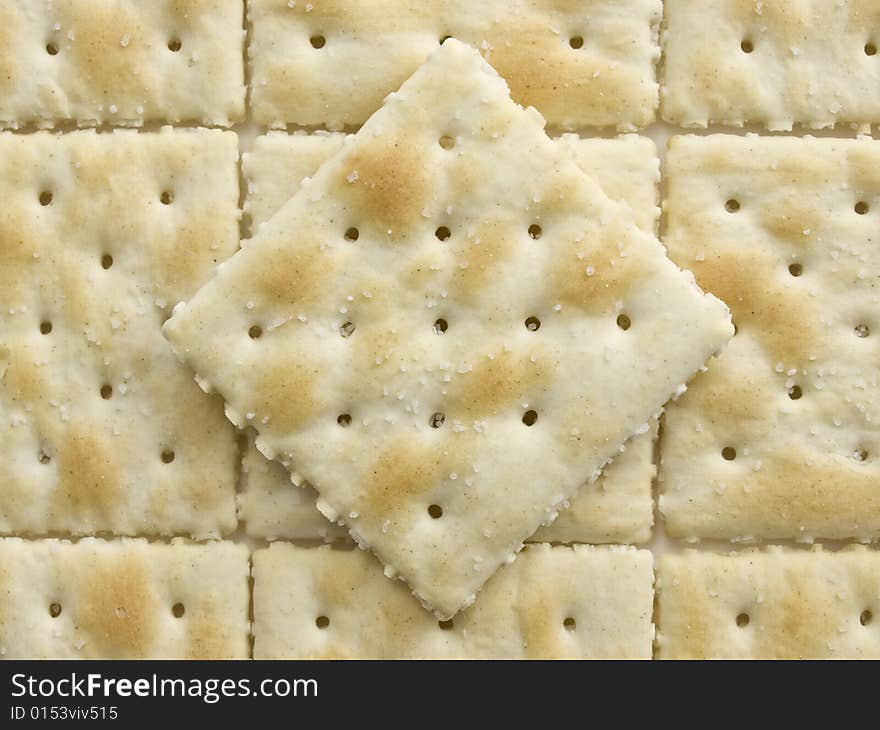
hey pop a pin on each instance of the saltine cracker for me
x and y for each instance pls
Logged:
(95, 62)
(807, 63)
(102, 428)
(568, 330)
(774, 603)
(127, 599)
(330, 63)
(780, 438)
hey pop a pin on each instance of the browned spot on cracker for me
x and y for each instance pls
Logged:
(691, 616)
(19, 243)
(183, 263)
(798, 488)
(116, 614)
(748, 281)
(479, 258)
(392, 188)
(89, 482)
(797, 618)
(593, 275)
(24, 382)
(288, 392)
(109, 71)
(9, 63)
(539, 69)
(207, 633)
(539, 625)
(495, 384)
(792, 217)
(401, 473)
(293, 274)
(728, 396)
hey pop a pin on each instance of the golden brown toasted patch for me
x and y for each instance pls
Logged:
(89, 481)
(496, 383)
(796, 488)
(478, 258)
(692, 617)
(593, 275)
(206, 632)
(294, 275)
(401, 472)
(539, 70)
(726, 397)
(781, 317)
(392, 185)
(288, 392)
(95, 54)
(792, 217)
(116, 609)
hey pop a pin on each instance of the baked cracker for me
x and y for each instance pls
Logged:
(618, 508)
(444, 450)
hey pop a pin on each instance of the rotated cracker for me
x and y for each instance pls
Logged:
(330, 63)
(281, 306)
(774, 603)
(123, 600)
(560, 602)
(271, 507)
(121, 63)
(102, 428)
(617, 508)
(795, 394)
(801, 62)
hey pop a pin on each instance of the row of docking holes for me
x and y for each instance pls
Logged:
(174, 45)
(734, 206)
(177, 610)
(166, 197)
(166, 456)
(319, 40)
(576, 42)
(744, 619)
(728, 453)
(323, 622)
(747, 46)
(568, 623)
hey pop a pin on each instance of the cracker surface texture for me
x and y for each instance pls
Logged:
(775, 603)
(102, 429)
(617, 508)
(272, 507)
(446, 354)
(780, 437)
(553, 602)
(127, 599)
(810, 63)
(330, 63)
(121, 63)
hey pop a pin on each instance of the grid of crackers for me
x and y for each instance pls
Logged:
(382, 329)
